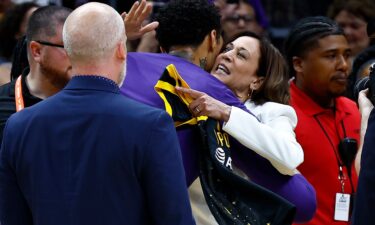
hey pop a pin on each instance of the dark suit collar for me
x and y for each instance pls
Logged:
(92, 82)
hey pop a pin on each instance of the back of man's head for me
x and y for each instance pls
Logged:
(305, 35)
(45, 21)
(92, 32)
(186, 23)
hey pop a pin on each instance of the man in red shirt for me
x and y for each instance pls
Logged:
(317, 53)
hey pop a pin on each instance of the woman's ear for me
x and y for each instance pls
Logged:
(256, 84)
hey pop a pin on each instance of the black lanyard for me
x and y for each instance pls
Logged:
(338, 159)
(339, 163)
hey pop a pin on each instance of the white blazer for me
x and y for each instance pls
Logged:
(272, 136)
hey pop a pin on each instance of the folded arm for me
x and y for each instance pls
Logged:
(273, 138)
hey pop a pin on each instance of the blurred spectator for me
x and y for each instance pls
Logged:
(49, 66)
(246, 15)
(4, 5)
(353, 16)
(12, 27)
(39, 2)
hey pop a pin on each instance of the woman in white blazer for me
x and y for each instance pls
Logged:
(257, 73)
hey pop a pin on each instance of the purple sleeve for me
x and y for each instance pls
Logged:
(295, 189)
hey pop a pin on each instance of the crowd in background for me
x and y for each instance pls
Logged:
(292, 64)
(271, 18)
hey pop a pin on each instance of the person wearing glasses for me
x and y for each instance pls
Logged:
(49, 67)
(240, 17)
(353, 16)
(48, 64)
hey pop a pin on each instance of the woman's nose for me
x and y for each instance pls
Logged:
(228, 55)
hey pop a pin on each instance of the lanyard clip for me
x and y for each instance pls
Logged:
(341, 174)
(342, 186)
(342, 179)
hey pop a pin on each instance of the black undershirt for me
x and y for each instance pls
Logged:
(7, 100)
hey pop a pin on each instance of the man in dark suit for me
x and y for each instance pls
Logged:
(88, 155)
(48, 66)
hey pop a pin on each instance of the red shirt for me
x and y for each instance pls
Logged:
(320, 166)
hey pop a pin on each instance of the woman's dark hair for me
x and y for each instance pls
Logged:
(273, 68)
(186, 23)
(305, 35)
(10, 27)
(19, 62)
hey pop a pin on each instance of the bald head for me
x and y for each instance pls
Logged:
(92, 32)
